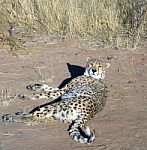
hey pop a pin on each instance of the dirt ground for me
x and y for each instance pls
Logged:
(122, 125)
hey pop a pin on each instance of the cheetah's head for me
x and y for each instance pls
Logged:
(95, 68)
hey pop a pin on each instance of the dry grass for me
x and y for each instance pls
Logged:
(5, 98)
(111, 23)
(42, 75)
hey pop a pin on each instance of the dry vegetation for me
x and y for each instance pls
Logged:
(42, 75)
(5, 97)
(111, 23)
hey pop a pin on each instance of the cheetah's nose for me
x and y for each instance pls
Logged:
(93, 70)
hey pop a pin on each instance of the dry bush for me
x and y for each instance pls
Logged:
(111, 23)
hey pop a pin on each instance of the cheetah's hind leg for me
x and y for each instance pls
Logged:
(18, 117)
(77, 134)
(41, 87)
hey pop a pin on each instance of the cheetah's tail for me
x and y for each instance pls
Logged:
(78, 134)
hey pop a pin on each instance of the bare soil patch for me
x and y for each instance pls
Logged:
(122, 125)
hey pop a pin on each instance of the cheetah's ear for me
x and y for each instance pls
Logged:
(107, 65)
(88, 58)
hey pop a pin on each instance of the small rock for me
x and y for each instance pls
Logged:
(130, 82)
(111, 56)
(140, 72)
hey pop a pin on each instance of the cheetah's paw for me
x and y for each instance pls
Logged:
(7, 118)
(41, 87)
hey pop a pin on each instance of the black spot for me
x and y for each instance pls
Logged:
(46, 107)
(67, 112)
(54, 112)
(88, 112)
(64, 109)
(79, 102)
(63, 115)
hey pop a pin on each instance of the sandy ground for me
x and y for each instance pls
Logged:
(122, 125)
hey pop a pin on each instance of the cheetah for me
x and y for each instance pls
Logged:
(76, 103)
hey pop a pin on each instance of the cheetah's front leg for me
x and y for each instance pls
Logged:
(46, 92)
(41, 87)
